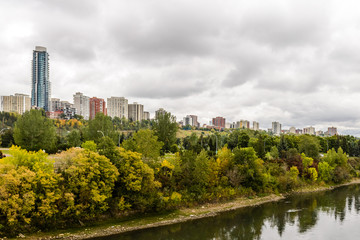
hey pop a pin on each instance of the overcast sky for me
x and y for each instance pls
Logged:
(296, 62)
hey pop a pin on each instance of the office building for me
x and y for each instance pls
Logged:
(40, 84)
(82, 105)
(276, 128)
(117, 107)
(97, 105)
(136, 112)
(19, 103)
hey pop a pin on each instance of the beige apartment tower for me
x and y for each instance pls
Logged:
(82, 105)
(136, 112)
(117, 107)
(19, 103)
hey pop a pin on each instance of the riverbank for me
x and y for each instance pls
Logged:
(117, 226)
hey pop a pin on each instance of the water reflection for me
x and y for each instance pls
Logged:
(325, 215)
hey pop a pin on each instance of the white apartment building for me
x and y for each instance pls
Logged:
(118, 107)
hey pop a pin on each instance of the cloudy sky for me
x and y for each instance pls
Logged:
(296, 62)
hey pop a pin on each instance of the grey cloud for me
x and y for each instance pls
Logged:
(291, 61)
(287, 24)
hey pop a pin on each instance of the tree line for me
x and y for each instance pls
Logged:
(102, 172)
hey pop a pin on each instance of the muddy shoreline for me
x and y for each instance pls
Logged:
(183, 215)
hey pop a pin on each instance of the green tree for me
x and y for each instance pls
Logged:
(201, 173)
(310, 146)
(325, 171)
(108, 148)
(89, 145)
(98, 127)
(74, 138)
(145, 142)
(33, 132)
(243, 139)
(165, 128)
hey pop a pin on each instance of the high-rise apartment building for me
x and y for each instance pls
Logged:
(256, 126)
(82, 105)
(292, 130)
(117, 107)
(19, 103)
(218, 122)
(244, 124)
(309, 130)
(188, 121)
(146, 116)
(40, 83)
(97, 105)
(276, 128)
(191, 120)
(332, 131)
(55, 104)
(136, 112)
(159, 111)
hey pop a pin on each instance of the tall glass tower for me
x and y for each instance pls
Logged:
(40, 84)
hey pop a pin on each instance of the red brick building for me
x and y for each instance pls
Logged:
(97, 105)
(218, 122)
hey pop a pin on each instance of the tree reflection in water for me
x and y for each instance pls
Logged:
(302, 211)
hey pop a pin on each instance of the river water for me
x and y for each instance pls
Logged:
(323, 215)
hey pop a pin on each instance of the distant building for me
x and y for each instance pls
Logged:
(299, 131)
(319, 133)
(276, 128)
(55, 104)
(117, 107)
(309, 130)
(195, 120)
(146, 116)
(136, 112)
(191, 120)
(54, 114)
(40, 83)
(187, 121)
(68, 109)
(292, 130)
(256, 126)
(82, 105)
(97, 105)
(244, 124)
(218, 122)
(159, 111)
(228, 125)
(332, 131)
(19, 103)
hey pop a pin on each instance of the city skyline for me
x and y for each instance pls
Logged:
(259, 61)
